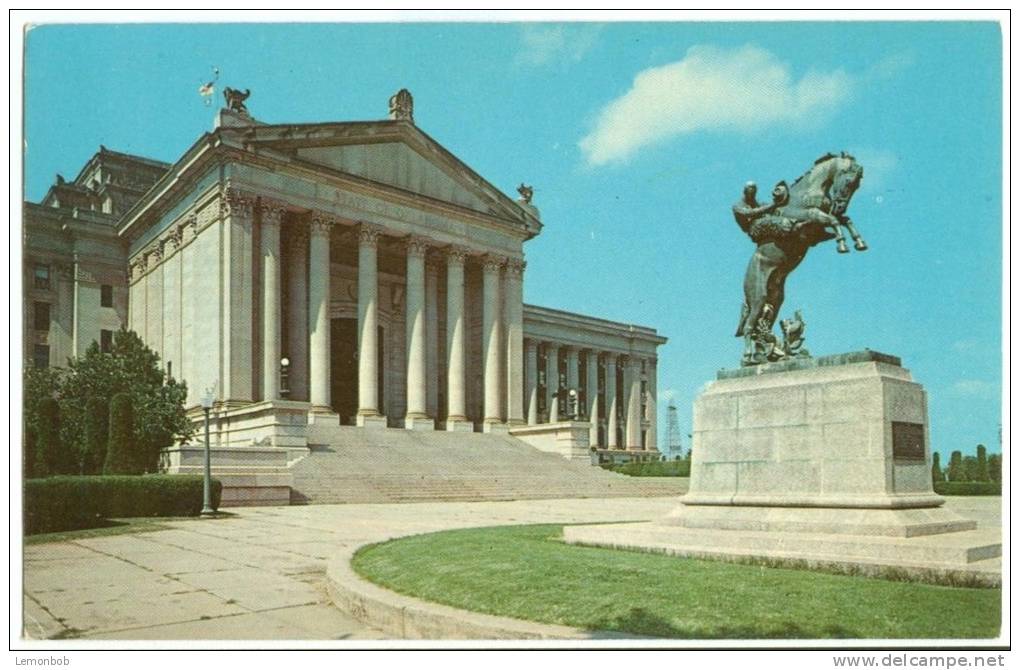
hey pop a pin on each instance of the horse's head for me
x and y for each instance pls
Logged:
(846, 179)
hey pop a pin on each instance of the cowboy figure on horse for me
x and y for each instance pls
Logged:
(800, 216)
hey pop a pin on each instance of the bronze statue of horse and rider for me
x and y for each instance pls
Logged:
(801, 215)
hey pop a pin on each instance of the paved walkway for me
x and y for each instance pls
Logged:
(260, 575)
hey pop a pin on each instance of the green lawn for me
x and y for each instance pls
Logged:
(527, 572)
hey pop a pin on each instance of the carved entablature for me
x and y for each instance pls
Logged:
(175, 238)
(368, 235)
(190, 229)
(515, 268)
(321, 224)
(456, 255)
(236, 203)
(272, 211)
(492, 262)
(416, 246)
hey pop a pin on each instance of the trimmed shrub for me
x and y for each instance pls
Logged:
(981, 473)
(120, 456)
(69, 503)
(995, 467)
(97, 436)
(48, 456)
(956, 473)
(951, 488)
(652, 468)
(936, 469)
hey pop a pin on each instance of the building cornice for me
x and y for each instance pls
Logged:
(572, 320)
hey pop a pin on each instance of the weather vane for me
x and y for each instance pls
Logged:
(208, 89)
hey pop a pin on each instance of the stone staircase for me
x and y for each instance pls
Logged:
(394, 465)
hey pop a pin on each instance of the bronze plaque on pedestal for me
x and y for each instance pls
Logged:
(907, 441)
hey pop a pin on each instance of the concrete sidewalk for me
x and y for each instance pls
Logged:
(260, 575)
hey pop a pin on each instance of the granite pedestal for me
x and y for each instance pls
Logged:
(823, 460)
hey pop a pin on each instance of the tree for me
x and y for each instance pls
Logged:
(981, 473)
(995, 468)
(937, 475)
(121, 456)
(40, 385)
(49, 459)
(132, 368)
(970, 466)
(96, 435)
(956, 473)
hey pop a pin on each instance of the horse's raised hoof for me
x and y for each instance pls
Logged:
(842, 248)
(861, 245)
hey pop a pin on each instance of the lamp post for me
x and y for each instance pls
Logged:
(207, 507)
(285, 377)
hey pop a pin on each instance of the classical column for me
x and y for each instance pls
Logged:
(318, 313)
(297, 312)
(632, 380)
(591, 390)
(531, 383)
(612, 406)
(237, 212)
(490, 341)
(414, 301)
(432, 359)
(368, 323)
(514, 310)
(272, 214)
(651, 408)
(573, 376)
(552, 380)
(456, 342)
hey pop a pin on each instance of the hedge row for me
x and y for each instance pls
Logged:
(968, 488)
(57, 504)
(653, 468)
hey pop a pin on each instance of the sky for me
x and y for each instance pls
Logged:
(637, 137)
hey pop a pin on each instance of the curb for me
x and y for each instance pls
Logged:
(408, 618)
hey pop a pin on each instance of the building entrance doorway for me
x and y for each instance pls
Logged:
(343, 373)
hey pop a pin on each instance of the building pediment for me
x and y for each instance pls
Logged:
(392, 153)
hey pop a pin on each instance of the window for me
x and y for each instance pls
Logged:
(42, 275)
(41, 356)
(170, 369)
(106, 295)
(106, 341)
(42, 316)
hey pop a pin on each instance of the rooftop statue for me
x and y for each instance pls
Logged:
(235, 99)
(402, 106)
(801, 215)
(527, 193)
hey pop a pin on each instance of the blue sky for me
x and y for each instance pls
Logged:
(637, 138)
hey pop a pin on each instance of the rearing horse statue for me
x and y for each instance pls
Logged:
(810, 211)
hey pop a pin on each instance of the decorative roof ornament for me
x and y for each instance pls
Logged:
(402, 106)
(527, 193)
(235, 100)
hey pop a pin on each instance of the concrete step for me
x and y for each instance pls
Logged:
(394, 465)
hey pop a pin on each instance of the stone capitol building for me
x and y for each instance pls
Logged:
(320, 275)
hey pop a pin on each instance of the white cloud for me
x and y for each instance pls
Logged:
(743, 90)
(878, 164)
(542, 44)
(976, 388)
